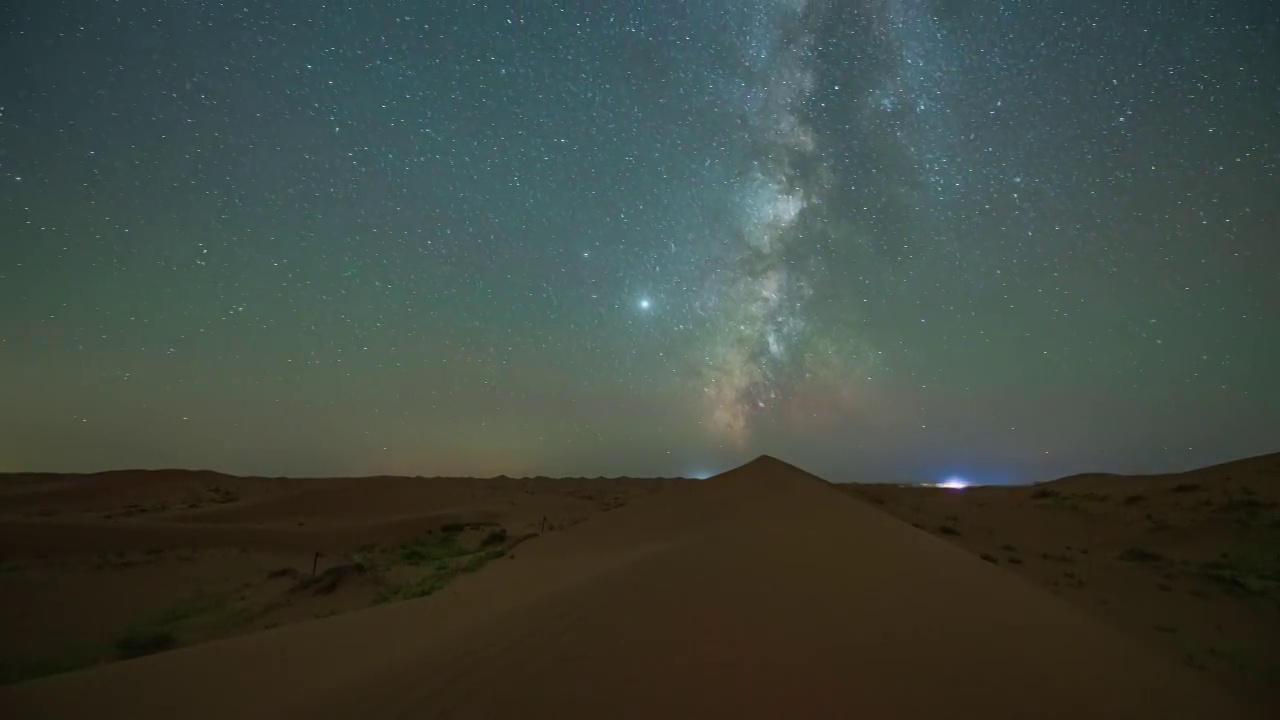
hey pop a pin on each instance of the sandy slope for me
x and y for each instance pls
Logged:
(761, 593)
(87, 561)
(1186, 563)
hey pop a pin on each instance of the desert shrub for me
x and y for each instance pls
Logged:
(1013, 560)
(223, 495)
(1248, 506)
(495, 537)
(430, 549)
(479, 560)
(1186, 488)
(1008, 547)
(15, 672)
(948, 530)
(422, 588)
(990, 558)
(413, 554)
(329, 580)
(1235, 582)
(1044, 493)
(1135, 499)
(144, 641)
(1140, 555)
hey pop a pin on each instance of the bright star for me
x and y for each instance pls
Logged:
(644, 303)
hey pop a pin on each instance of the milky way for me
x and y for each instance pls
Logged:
(761, 299)
(888, 238)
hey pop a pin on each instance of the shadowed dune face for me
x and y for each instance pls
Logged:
(759, 593)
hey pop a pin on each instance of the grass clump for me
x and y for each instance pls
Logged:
(1057, 557)
(1141, 555)
(495, 537)
(144, 641)
(474, 562)
(442, 573)
(431, 549)
(222, 496)
(193, 607)
(15, 671)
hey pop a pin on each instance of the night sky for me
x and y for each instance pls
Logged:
(888, 239)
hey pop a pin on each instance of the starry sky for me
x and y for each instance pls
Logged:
(880, 239)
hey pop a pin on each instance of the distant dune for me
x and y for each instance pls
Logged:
(761, 592)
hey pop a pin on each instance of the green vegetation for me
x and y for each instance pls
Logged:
(221, 495)
(158, 633)
(20, 671)
(442, 573)
(431, 549)
(1242, 578)
(1141, 555)
(1057, 557)
(414, 569)
(447, 556)
(478, 560)
(1071, 580)
(144, 641)
(193, 607)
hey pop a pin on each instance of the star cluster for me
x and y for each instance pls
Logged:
(882, 239)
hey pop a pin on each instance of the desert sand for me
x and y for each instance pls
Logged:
(762, 592)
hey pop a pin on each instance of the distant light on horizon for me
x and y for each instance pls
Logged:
(954, 483)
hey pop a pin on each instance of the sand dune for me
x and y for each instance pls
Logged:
(763, 592)
(1185, 563)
